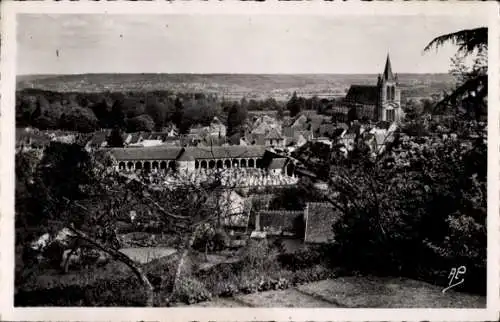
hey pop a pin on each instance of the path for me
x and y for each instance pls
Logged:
(356, 292)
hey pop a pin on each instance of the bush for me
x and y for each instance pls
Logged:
(301, 259)
(418, 212)
(213, 239)
(189, 290)
(119, 292)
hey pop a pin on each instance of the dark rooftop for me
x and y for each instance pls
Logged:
(320, 217)
(363, 94)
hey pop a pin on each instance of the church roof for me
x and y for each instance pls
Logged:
(363, 94)
(388, 75)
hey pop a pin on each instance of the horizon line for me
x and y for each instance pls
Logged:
(219, 73)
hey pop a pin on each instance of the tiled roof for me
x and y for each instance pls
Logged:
(273, 135)
(256, 139)
(320, 217)
(277, 163)
(288, 131)
(150, 153)
(300, 121)
(219, 152)
(173, 153)
(363, 94)
(135, 137)
(327, 129)
(98, 138)
(276, 222)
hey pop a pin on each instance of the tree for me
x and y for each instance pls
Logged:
(139, 123)
(79, 192)
(178, 112)
(236, 118)
(157, 111)
(412, 110)
(294, 105)
(115, 138)
(102, 111)
(80, 119)
(472, 93)
(46, 115)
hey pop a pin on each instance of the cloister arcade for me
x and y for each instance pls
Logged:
(165, 165)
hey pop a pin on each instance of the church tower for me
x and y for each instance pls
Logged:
(389, 103)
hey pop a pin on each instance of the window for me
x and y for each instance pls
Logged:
(390, 115)
(391, 93)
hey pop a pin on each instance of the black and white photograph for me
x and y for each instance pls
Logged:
(249, 160)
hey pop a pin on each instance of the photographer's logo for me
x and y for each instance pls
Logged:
(455, 275)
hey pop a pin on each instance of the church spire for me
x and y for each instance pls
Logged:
(388, 75)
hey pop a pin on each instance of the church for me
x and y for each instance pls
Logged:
(381, 102)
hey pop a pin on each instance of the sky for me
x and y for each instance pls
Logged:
(269, 44)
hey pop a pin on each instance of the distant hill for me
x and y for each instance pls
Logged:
(234, 86)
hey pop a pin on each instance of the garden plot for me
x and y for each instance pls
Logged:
(379, 292)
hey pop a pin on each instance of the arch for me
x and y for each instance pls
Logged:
(130, 165)
(219, 164)
(211, 164)
(243, 163)
(155, 165)
(227, 163)
(203, 164)
(290, 168)
(196, 164)
(138, 165)
(121, 165)
(251, 163)
(163, 165)
(171, 165)
(235, 163)
(147, 166)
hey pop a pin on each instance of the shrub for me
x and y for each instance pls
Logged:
(419, 212)
(211, 238)
(189, 290)
(302, 258)
(118, 292)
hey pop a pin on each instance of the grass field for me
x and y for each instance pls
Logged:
(357, 292)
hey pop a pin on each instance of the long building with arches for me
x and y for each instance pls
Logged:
(192, 159)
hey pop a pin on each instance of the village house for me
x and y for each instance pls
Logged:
(274, 139)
